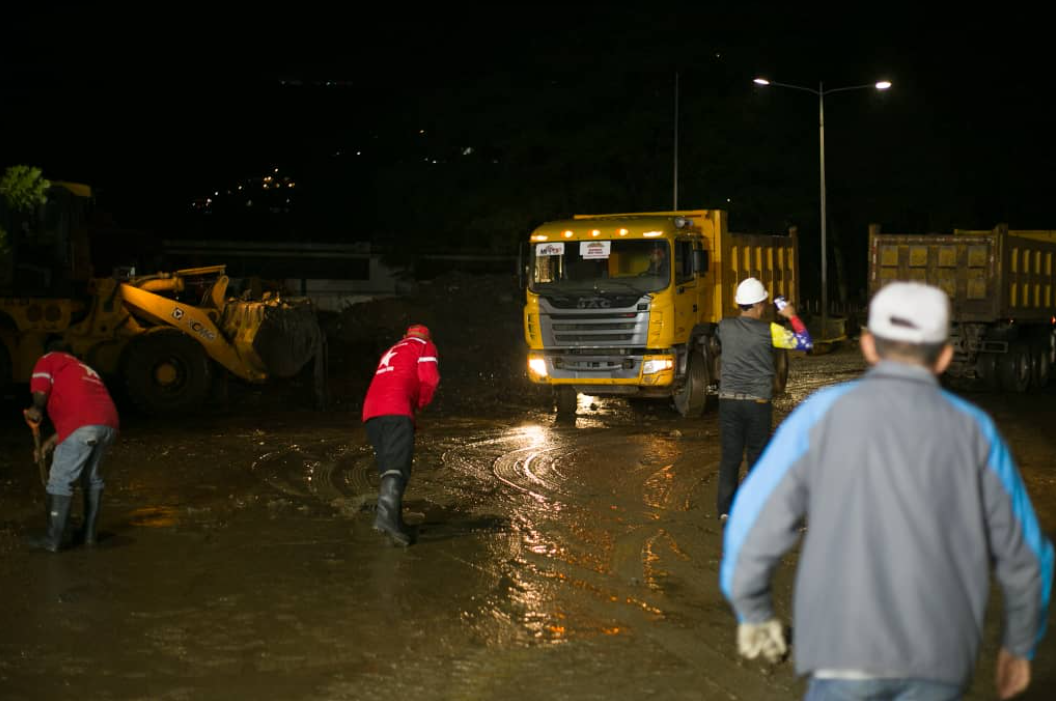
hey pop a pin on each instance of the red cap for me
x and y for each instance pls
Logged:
(417, 330)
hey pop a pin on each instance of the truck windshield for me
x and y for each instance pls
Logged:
(643, 265)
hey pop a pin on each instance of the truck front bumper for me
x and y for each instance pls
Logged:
(602, 370)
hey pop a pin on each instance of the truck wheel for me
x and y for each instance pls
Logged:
(166, 373)
(691, 399)
(780, 371)
(986, 371)
(1014, 368)
(1040, 364)
(565, 400)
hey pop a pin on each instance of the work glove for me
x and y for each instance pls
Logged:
(766, 639)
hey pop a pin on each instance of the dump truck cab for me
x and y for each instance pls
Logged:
(627, 304)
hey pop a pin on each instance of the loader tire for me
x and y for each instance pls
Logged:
(166, 373)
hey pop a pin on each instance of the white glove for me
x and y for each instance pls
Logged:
(766, 639)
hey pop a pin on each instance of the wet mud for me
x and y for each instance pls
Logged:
(559, 561)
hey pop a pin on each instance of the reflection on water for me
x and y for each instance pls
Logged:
(153, 517)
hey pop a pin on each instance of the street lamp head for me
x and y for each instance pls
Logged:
(764, 81)
(883, 85)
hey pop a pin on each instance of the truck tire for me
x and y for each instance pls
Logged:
(1040, 363)
(986, 371)
(1014, 368)
(166, 373)
(780, 371)
(692, 398)
(566, 399)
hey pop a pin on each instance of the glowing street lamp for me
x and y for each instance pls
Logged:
(821, 92)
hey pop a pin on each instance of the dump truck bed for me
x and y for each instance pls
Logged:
(989, 276)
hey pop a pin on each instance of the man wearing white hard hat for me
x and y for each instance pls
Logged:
(913, 499)
(746, 381)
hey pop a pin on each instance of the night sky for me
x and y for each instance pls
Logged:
(533, 112)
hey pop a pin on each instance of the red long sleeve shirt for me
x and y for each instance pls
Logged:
(405, 381)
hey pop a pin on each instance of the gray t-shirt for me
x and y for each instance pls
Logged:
(747, 357)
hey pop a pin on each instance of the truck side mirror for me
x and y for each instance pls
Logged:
(522, 265)
(700, 262)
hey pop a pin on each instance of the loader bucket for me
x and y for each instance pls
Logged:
(288, 338)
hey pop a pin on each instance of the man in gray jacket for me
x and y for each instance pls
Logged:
(911, 495)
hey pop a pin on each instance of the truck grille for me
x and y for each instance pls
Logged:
(600, 328)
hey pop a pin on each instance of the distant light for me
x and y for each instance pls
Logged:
(421, 131)
(239, 187)
(652, 234)
(568, 234)
(595, 233)
(276, 170)
(761, 81)
(216, 194)
(467, 150)
(292, 185)
(359, 153)
(727, 199)
(883, 85)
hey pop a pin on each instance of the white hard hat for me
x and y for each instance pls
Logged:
(750, 291)
(911, 312)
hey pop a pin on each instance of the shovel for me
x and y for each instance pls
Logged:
(35, 427)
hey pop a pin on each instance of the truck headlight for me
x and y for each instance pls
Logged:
(537, 366)
(655, 365)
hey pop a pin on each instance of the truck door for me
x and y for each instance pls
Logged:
(687, 303)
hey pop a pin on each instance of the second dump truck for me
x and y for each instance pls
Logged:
(1002, 286)
(628, 304)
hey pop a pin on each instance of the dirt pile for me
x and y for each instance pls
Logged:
(476, 322)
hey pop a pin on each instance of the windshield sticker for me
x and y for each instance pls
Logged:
(594, 249)
(550, 249)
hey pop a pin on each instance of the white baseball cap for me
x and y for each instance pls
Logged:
(911, 312)
(750, 291)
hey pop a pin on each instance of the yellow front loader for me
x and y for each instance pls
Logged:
(162, 336)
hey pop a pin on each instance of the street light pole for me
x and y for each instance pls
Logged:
(821, 92)
(824, 248)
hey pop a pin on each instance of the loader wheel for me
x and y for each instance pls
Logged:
(780, 371)
(166, 373)
(691, 399)
(1014, 368)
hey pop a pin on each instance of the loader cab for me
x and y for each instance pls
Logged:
(47, 253)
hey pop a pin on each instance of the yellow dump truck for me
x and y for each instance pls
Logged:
(1002, 285)
(162, 338)
(627, 304)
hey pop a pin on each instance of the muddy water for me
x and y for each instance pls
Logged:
(553, 561)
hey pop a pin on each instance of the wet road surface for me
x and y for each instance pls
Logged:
(553, 561)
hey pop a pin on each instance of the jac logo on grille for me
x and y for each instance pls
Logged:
(593, 303)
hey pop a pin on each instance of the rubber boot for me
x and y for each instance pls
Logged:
(92, 497)
(389, 518)
(58, 514)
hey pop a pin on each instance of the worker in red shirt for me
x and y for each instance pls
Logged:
(86, 424)
(403, 384)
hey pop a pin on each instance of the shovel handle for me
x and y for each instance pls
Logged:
(35, 425)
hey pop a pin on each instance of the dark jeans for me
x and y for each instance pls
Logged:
(393, 439)
(745, 429)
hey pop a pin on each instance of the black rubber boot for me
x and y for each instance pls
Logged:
(92, 497)
(389, 518)
(58, 514)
